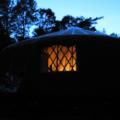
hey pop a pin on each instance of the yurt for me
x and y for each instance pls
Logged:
(71, 61)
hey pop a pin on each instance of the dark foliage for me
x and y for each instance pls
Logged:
(5, 23)
(45, 21)
(58, 26)
(39, 31)
(48, 23)
(68, 21)
(115, 35)
(86, 23)
(6, 14)
(23, 18)
(5, 40)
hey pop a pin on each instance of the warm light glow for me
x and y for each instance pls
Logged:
(61, 58)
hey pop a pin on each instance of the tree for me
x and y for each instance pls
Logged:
(58, 26)
(115, 35)
(46, 20)
(23, 18)
(86, 23)
(39, 31)
(5, 40)
(6, 13)
(68, 21)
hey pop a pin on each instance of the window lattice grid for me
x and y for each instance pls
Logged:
(61, 58)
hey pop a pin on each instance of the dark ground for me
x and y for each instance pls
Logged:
(60, 107)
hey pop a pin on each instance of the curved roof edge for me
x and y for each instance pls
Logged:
(74, 31)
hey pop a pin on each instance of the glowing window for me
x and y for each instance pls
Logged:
(61, 58)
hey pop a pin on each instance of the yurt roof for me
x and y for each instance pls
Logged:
(68, 36)
(75, 31)
(72, 31)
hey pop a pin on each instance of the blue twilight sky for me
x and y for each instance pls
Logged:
(110, 9)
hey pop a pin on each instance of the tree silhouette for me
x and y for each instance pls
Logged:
(58, 26)
(39, 31)
(5, 40)
(88, 23)
(6, 13)
(115, 35)
(68, 21)
(23, 18)
(45, 20)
